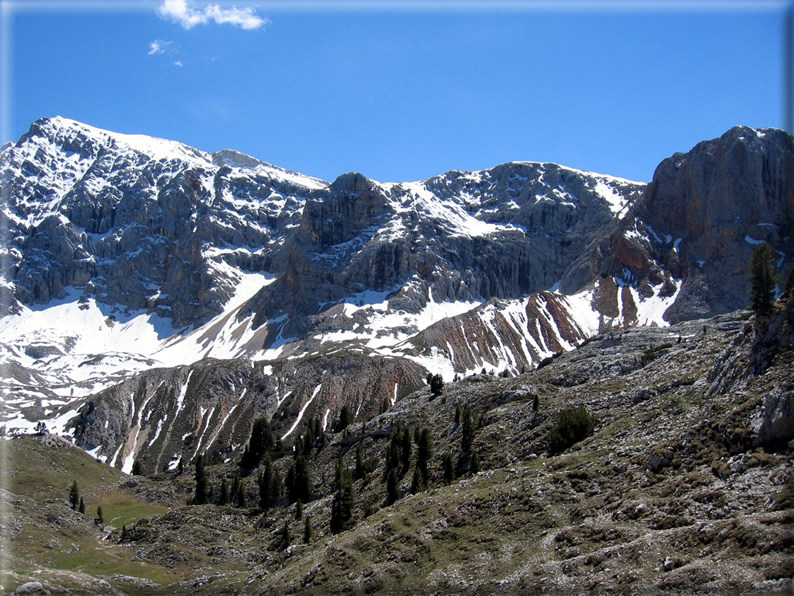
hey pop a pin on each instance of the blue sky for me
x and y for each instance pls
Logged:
(403, 91)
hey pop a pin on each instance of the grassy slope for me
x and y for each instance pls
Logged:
(60, 545)
(600, 515)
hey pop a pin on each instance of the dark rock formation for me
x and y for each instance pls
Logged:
(700, 219)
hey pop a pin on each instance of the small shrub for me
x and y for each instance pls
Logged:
(573, 425)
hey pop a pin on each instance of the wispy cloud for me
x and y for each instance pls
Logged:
(189, 15)
(158, 46)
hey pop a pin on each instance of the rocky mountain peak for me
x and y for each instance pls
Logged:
(697, 195)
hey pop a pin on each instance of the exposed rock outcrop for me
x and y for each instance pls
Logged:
(700, 219)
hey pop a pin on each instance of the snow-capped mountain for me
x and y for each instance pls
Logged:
(139, 272)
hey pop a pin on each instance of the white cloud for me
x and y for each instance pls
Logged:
(188, 15)
(158, 46)
(177, 63)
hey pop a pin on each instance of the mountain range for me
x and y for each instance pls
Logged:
(156, 299)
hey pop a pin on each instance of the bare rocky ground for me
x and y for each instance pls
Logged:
(685, 486)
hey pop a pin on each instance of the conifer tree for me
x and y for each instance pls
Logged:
(474, 467)
(423, 454)
(417, 483)
(345, 418)
(267, 486)
(298, 510)
(449, 472)
(201, 482)
(468, 423)
(436, 386)
(286, 538)
(260, 442)
(224, 496)
(298, 480)
(392, 488)
(342, 504)
(317, 427)
(82, 505)
(241, 494)
(74, 495)
(763, 278)
(359, 471)
(336, 513)
(405, 451)
(308, 532)
(235, 487)
(99, 515)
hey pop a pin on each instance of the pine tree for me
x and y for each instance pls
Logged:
(298, 481)
(436, 386)
(308, 532)
(449, 472)
(241, 494)
(474, 467)
(345, 418)
(405, 451)
(201, 482)
(468, 423)
(763, 279)
(336, 513)
(298, 510)
(392, 488)
(417, 483)
(317, 427)
(267, 489)
(359, 471)
(276, 488)
(137, 468)
(342, 504)
(82, 505)
(224, 497)
(235, 487)
(260, 442)
(285, 535)
(423, 454)
(99, 515)
(74, 495)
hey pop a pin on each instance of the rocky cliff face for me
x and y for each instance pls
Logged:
(501, 233)
(140, 223)
(700, 219)
(145, 258)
